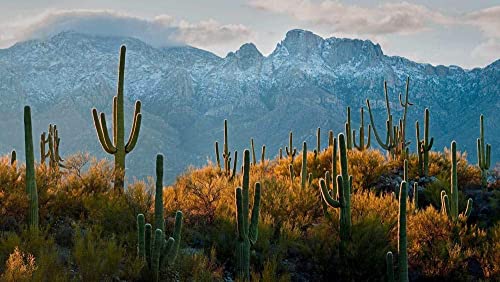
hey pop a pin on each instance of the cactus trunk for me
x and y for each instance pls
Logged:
(31, 188)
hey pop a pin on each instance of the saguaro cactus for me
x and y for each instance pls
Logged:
(362, 146)
(449, 205)
(247, 231)
(13, 158)
(483, 154)
(423, 146)
(158, 251)
(31, 188)
(318, 143)
(252, 146)
(402, 241)
(342, 199)
(290, 150)
(348, 129)
(117, 147)
(53, 141)
(303, 171)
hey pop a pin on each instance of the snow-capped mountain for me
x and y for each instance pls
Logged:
(306, 82)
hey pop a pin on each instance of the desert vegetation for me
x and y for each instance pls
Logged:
(343, 211)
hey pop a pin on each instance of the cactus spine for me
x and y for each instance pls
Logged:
(247, 231)
(362, 146)
(303, 172)
(158, 251)
(449, 205)
(290, 150)
(402, 240)
(483, 154)
(342, 199)
(31, 188)
(117, 147)
(424, 146)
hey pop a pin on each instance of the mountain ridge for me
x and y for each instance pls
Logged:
(307, 81)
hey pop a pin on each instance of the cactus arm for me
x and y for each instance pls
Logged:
(254, 222)
(239, 214)
(156, 254)
(176, 238)
(115, 121)
(382, 144)
(141, 247)
(390, 266)
(136, 128)
(147, 243)
(326, 195)
(102, 133)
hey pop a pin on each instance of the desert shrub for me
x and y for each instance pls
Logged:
(19, 267)
(198, 267)
(365, 167)
(96, 257)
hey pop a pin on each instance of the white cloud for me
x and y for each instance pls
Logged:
(487, 51)
(162, 30)
(487, 20)
(387, 18)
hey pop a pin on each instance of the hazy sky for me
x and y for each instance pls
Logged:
(464, 33)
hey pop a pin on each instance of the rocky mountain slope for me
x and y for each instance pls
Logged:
(306, 82)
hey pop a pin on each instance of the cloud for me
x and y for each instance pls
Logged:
(487, 20)
(389, 18)
(162, 30)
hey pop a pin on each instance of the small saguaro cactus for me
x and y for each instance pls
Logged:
(31, 188)
(280, 154)
(483, 154)
(342, 199)
(303, 171)
(263, 154)
(254, 158)
(449, 205)
(118, 148)
(290, 150)
(318, 143)
(362, 146)
(348, 129)
(13, 158)
(402, 240)
(330, 138)
(423, 146)
(158, 251)
(247, 231)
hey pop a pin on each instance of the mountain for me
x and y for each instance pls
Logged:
(306, 82)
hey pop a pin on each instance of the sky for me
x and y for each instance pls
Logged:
(449, 32)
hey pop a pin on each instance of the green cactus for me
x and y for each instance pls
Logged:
(235, 163)
(13, 158)
(424, 146)
(395, 141)
(290, 150)
(31, 188)
(362, 146)
(415, 196)
(348, 130)
(402, 240)
(217, 156)
(330, 138)
(483, 154)
(157, 251)
(117, 147)
(247, 231)
(449, 205)
(318, 143)
(342, 199)
(303, 171)
(53, 141)
(292, 172)
(263, 155)
(254, 158)
(280, 154)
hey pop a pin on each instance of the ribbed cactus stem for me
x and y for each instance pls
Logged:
(415, 196)
(390, 266)
(31, 188)
(427, 143)
(290, 150)
(348, 129)
(254, 159)
(235, 163)
(226, 155)
(420, 157)
(449, 205)
(217, 156)
(303, 171)
(402, 241)
(247, 231)
(118, 148)
(156, 254)
(263, 155)
(330, 138)
(361, 146)
(158, 221)
(141, 244)
(483, 154)
(318, 142)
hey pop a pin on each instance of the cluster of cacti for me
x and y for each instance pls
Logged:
(342, 199)
(53, 141)
(290, 150)
(247, 231)
(402, 241)
(156, 250)
(226, 155)
(117, 147)
(423, 146)
(449, 205)
(483, 154)
(31, 188)
(395, 140)
(362, 146)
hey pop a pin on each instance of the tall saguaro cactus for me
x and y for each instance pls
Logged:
(423, 146)
(342, 199)
(290, 150)
(158, 251)
(362, 146)
(303, 171)
(483, 154)
(31, 188)
(402, 240)
(247, 230)
(449, 205)
(118, 147)
(348, 129)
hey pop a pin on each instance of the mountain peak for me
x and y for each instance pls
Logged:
(248, 50)
(298, 41)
